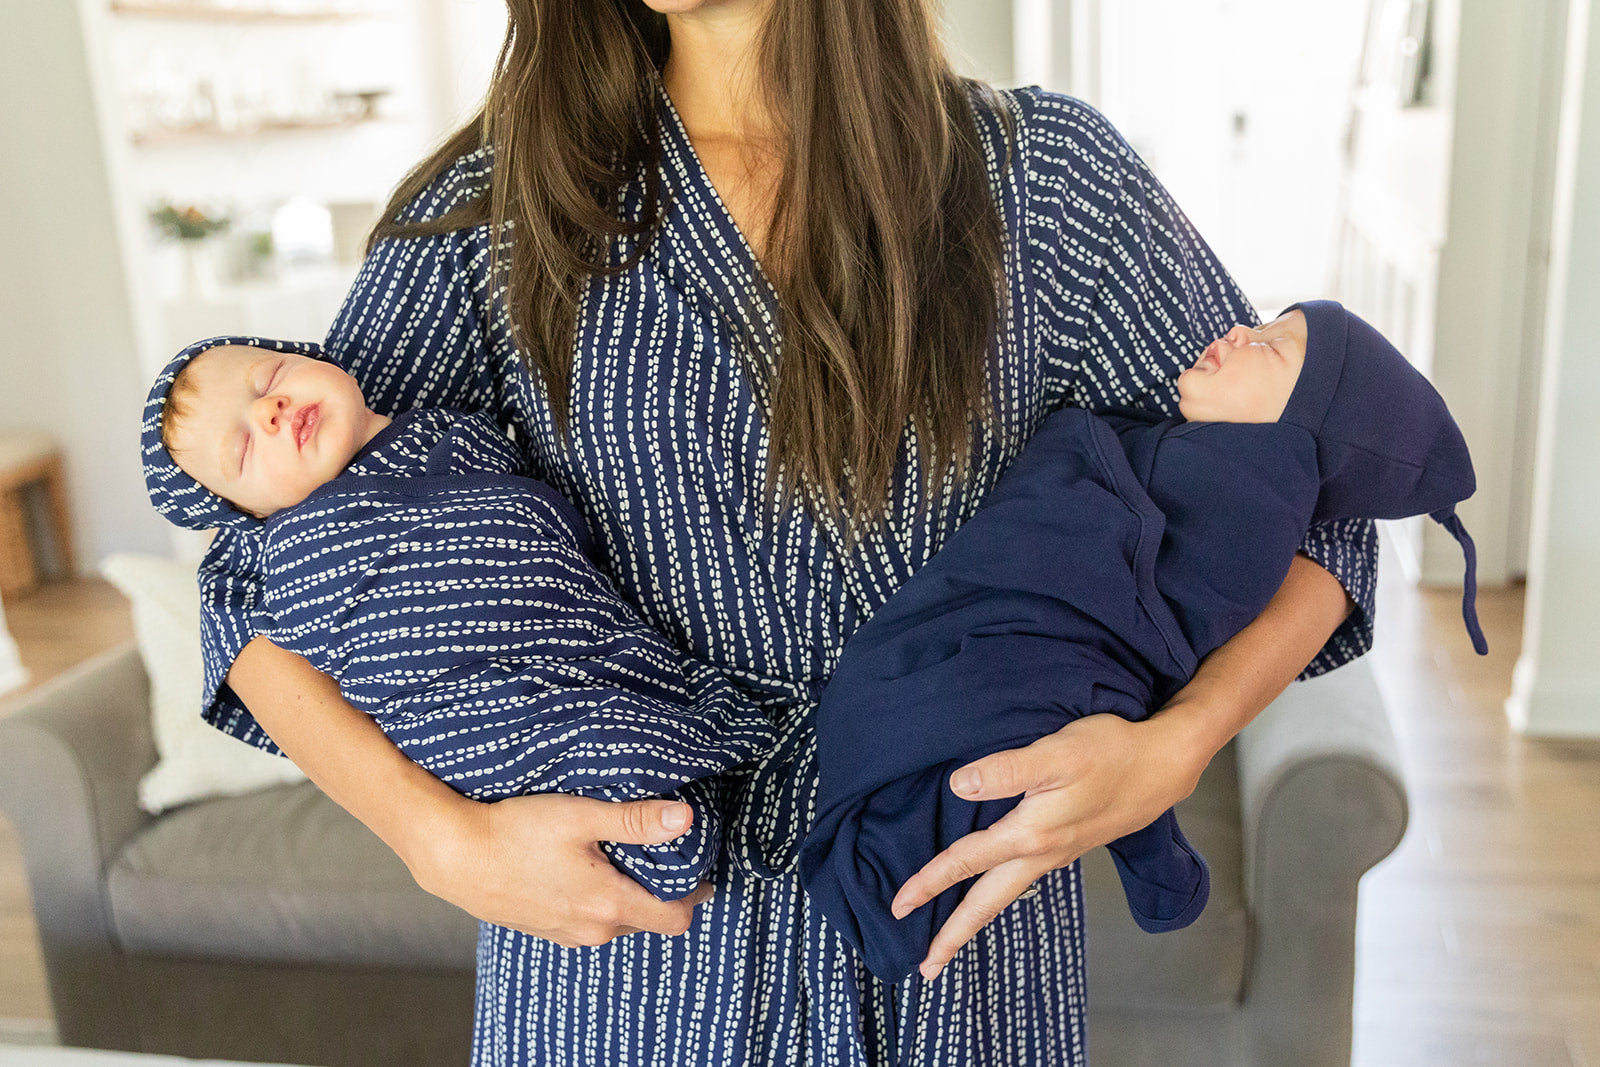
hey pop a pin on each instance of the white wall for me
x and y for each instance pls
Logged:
(1239, 106)
(978, 34)
(1498, 186)
(467, 36)
(69, 356)
(1556, 690)
(79, 281)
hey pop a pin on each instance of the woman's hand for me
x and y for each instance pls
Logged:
(1092, 781)
(533, 863)
(1101, 777)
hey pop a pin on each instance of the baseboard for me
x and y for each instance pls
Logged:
(27, 1032)
(1540, 708)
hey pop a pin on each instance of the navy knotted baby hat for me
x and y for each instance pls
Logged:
(1387, 447)
(175, 494)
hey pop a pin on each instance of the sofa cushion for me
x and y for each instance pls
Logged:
(282, 874)
(1201, 965)
(196, 761)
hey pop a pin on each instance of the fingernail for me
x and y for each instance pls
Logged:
(675, 816)
(930, 971)
(966, 781)
(898, 909)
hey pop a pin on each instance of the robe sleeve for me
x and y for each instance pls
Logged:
(1128, 294)
(413, 332)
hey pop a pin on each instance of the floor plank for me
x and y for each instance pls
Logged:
(60, 624)
(23, 992)
(1479, 940)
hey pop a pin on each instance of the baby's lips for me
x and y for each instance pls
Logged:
(304, 425)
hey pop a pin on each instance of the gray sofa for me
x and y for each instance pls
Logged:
(273, 926)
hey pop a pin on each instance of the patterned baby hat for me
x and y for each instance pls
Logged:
(175, 494)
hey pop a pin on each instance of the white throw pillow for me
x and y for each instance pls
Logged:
(194, 760)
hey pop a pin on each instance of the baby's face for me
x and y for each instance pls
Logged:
(1246, 375)
(266, 428)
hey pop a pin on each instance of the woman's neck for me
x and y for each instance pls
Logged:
(712, 70)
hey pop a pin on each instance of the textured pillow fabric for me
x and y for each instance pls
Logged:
(194, 761)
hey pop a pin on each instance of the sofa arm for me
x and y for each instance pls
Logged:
(1322, 800)
(71, 756)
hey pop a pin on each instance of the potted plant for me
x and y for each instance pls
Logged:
(192, 228)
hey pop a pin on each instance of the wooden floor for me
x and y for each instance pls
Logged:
(1479, 938)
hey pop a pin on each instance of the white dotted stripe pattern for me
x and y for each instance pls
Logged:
(453, 603)
(1110, 295)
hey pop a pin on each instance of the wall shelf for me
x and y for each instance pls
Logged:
(212, 132)
(202, 12)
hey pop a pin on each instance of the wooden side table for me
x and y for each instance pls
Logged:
(30, 470)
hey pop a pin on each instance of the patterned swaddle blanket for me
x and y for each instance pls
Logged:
(455, 602)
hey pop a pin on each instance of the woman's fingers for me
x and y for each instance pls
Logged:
(543, 872)
(987, 898)
(638, 822)
(971, 855)
(622, 906)
(1007, 773)
(979, 851)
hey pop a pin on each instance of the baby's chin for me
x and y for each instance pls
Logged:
(1186, 408)
(1186, 397)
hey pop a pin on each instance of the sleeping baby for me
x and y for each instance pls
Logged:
(1115, 553)
(451, 597)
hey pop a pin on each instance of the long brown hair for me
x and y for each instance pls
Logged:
(887, 245)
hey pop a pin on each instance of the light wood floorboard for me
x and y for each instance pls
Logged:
(1479, 939)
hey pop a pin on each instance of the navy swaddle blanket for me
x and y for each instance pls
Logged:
(455, 602)
(1115, 553)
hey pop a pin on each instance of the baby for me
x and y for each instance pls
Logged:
(1116, 552)
(452, 598)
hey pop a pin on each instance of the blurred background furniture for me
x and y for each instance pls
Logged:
(273, 926)
(33, 502)
(1289, 816)
(268, 926)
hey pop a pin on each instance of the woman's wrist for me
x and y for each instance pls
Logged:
(442, 837)
(1188, 733)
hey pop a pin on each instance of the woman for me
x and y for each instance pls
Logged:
(811, 163)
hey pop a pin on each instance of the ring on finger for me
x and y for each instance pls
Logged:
(1030, 892)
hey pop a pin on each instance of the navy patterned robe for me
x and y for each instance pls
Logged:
(1111, 294)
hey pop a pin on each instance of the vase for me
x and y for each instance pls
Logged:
(200, 270)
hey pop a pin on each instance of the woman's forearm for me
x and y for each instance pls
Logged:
(531, 863)
(1239, 679)
(345, 753)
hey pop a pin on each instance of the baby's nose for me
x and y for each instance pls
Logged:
(269, 409)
